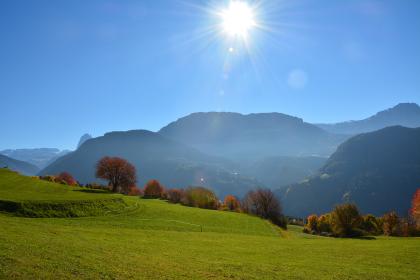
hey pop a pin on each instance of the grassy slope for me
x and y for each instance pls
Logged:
(157, 240)
(15, 187)
(28, 196)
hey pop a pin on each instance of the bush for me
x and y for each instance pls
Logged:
(231, 203)
(371, 225)
(67, 178)
(263, 203)
(174, 195)
(391, 224)
(96, 186)
(134, 191)
(200, 197)
(346, 221)
(48, 178)
(153, 189)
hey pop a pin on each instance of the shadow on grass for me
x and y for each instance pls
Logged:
(94, 191)
(365, 238)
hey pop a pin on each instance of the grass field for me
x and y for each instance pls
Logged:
(152, 239)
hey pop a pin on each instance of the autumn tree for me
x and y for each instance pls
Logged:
(153, 189)
(312, 223)
(324, 223)
(263, 203)
(66, 178)
(346, 220)
(119, 173)
(231, 203)
(415, 208)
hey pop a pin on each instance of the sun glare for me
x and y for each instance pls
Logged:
(238, 19)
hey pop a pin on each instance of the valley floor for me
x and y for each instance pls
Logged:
(157, 240)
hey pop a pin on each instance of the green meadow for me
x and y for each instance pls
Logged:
(120, 237)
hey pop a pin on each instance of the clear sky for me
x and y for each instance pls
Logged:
(76, 66)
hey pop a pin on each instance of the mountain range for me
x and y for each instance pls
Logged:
(40, 157)
(251, 137)
(404, 114)
(155, 157)
(232, 153)
(379, 171)
(17, 165)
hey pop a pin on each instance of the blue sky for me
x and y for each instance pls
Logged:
(70, 67)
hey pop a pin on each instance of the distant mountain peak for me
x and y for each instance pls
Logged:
(83, 139)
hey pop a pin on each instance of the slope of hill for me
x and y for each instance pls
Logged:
(38, 157)
(155, 157)
(157, 239)
(379, 171)
(26, 196)
(404, 114)
(253, 136)
(17, 165)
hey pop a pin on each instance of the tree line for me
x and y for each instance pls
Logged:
(121, 177)
(346, 221)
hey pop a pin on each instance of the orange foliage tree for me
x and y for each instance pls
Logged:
(312, 224)
(120, 174)
(231, 203)
(153, 189)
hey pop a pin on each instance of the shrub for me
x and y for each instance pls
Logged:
(370, 224)
(134, 191)
(153, 189)
(67, 178)
(346, 221)
(231, 203)
(263, 203)
(174, 195)
(200, 197)
(48, 178)
(391, 224)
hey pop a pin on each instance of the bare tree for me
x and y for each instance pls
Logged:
(263, 203)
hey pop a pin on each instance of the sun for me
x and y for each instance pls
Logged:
(238, 19)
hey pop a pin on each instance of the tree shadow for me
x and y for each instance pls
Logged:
(365, 237)
(94, 191)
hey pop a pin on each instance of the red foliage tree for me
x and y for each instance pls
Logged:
(153, 189)
(67, 178)
(120, 174)
(415, 208)
(231, 203)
